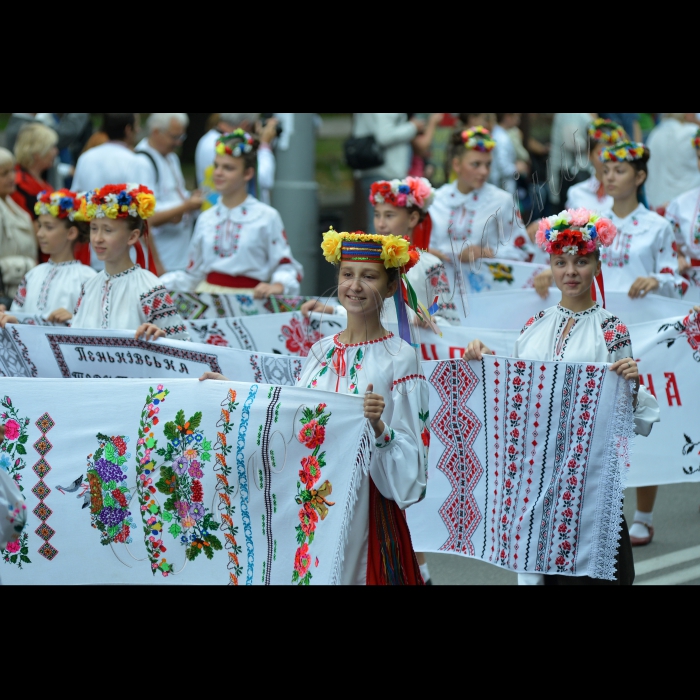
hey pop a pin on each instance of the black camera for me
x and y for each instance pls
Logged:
(270, 115)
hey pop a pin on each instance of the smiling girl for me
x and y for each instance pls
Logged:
(124, 295)
(239, 244)
(52, 288)
(578, 329)
(367, 360)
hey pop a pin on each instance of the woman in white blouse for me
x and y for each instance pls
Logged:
(578, 329)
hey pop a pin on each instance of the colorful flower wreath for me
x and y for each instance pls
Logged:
(696, 140)
(574, 231)
(623, 151)
(62, 204)
(392, 251)
(235, 144)
(118, 202)
(411, 192)
(478, 139)
(607, 131)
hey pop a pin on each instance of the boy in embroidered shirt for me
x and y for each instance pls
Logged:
(578, 329)
(52, 288)
(124, 295)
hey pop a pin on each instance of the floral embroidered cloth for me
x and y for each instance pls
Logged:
(180, 482)
(527, 465)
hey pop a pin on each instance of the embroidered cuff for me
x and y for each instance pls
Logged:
(386, 438)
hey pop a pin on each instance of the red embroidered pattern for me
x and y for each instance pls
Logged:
(569, 504)
(532, 320)
(41, 490)
(341, 345)
(157, 304)
(457, 427)
(616, 334)
(21, 295)
(407, 378)
(516, 406)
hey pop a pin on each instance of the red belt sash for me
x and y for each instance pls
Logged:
(239, 282)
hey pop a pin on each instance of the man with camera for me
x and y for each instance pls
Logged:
(266, 130)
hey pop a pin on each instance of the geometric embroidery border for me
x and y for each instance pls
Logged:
(41, 490)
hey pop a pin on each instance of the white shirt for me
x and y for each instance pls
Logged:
(172, 240)
(684, 215)
(399, 461)
(127, 300)
(504, 161)
(643, 247)
(585, 195)
(673, 163)
(474, 216)
(569, 139)
(248, 241)
(204, 158)
(394, 133)
(595, 336)
(51, 286)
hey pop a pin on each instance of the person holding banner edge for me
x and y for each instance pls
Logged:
(578, 329)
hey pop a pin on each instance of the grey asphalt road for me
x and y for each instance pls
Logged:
(672, 558)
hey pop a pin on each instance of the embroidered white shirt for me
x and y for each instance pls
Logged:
(127, 300)
(643, 247)
(51, 286)
(399, 460)
(248, 240)
(595, 336)
(487, 214)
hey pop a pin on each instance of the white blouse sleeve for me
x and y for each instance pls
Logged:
(266, 168)
(288, 272)
(400, 458)
(188, 279)
(13, 511)
(158, 308)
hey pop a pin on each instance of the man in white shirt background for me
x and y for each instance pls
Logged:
(250, 122)
(172, 223)
(113, 162)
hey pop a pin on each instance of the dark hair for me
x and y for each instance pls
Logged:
(250, 159)
(640, 166)
(114, 125)
(83, 230)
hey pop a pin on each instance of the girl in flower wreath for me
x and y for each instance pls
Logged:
(480, 218)
(683, 213)
(239, 245)
(52, 288)
(400, 208)
(579, 329)
(124, 295)
(366, 359)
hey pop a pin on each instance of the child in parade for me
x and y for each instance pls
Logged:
(52, 288)
(684, 214)
(239, 245)
(480, 218)
(578, 329)
(366, 359)
(400, 207)
(124, 295)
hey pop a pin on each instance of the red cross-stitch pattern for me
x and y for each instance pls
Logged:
(457, 427)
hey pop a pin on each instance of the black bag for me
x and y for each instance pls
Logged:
(363, 153)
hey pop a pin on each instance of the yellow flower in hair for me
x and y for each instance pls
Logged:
(395, 251)
(146, 204)
(332, 246)
(221, 149)
(112, 211)
(90, 210)
(54, 210)
(80, 214)
(620, 152)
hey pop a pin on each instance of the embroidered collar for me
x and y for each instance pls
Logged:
(473, 196)
(578, 314)
(245, 212)
(637, 214)
(339, 344)
(64, 264)
(122, 274)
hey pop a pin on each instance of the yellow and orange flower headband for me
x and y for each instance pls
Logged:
(391, 251)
